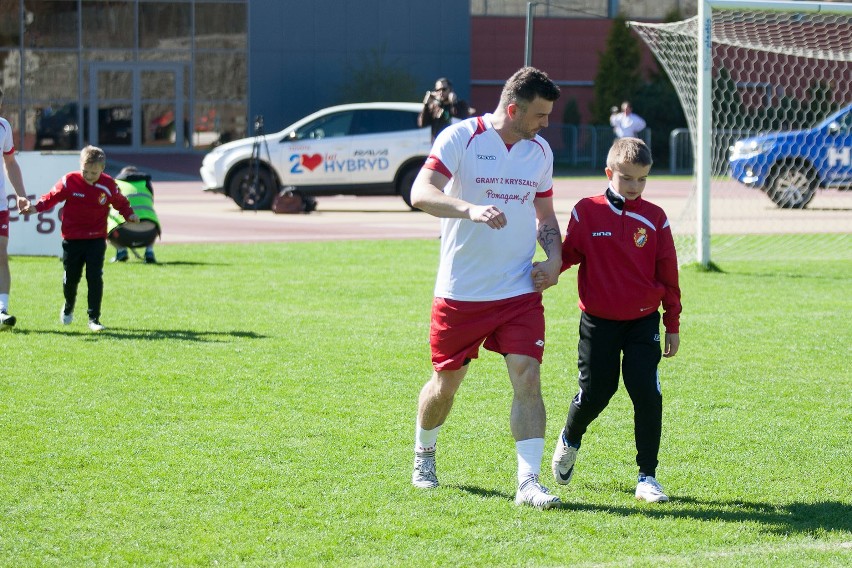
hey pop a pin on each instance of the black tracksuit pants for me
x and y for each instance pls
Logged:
(602, 343)
(76, 254)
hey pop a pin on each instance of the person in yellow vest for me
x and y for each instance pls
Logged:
(136, 187)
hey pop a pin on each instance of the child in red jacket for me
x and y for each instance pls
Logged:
(88, 195)
(628, 268)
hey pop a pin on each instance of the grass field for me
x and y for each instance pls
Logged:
(254, 405)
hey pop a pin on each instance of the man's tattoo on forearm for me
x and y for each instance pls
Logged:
(547, 236)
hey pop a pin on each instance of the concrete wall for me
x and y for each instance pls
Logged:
(301, 52)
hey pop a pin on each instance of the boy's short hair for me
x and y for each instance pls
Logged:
(92, 155)
(628, 151)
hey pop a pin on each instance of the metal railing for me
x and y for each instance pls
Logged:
(584, 146)
(681, 155)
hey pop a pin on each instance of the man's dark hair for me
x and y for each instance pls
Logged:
(526, 84)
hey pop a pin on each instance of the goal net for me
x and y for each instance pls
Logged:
(767, 94)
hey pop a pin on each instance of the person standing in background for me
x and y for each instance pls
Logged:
(626, 124)
(441, 106)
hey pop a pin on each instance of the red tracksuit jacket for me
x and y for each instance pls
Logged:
(626, 253)
(86, 206)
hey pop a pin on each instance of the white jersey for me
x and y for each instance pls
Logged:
(479, 263)
(627, 125)
(7, 145)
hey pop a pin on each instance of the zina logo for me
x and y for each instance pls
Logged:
(485, 157)
(601, 234)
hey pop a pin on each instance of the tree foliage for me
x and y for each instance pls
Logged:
(618, 77)
(653, 98)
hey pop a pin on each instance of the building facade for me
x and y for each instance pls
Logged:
(182, 75)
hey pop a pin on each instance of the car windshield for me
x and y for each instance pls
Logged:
(329, 126)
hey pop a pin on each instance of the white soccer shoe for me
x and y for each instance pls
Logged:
(534, 494)
(424, 475)
(649, 489)
(563, 461)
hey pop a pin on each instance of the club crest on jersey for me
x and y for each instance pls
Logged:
(640, 237)
(102, 199)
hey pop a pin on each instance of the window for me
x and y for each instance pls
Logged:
(164, 25)
(50, 23)
(329, 126)
(108, 25)
(378, 121)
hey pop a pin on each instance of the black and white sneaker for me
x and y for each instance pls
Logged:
(95, 325)
(564, 457)
(6, 321)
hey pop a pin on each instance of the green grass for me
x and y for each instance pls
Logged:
(254, 405)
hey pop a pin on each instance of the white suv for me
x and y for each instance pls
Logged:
(354, 149)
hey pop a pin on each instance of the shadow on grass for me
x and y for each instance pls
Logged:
(775, 518)
(480, 492)
(178, 263)
(154, 334)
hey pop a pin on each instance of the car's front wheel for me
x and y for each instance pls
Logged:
(253, 187)
(792, 186)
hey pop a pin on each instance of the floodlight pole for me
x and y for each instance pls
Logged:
(529, 37)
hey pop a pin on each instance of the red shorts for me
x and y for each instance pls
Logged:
(514, 325)
(4, 223)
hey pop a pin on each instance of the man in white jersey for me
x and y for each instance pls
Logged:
(626, 124)
(13, 170)
(490, 179)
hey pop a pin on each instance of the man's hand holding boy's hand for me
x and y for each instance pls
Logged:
(546, 273)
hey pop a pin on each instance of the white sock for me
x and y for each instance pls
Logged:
(529, 457)
(425, 440)
(4, 302)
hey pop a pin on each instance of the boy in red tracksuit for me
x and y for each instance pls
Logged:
(628, 268)
(88, 195)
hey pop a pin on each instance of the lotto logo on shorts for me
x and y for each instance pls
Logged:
(540, 342)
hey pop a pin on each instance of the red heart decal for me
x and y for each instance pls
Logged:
(311, 162)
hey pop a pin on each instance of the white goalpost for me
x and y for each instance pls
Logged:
(766, 88)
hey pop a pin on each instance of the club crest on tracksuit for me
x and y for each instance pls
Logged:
(102, 199)
(640, 237)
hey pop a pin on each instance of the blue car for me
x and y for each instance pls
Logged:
(790, 166)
